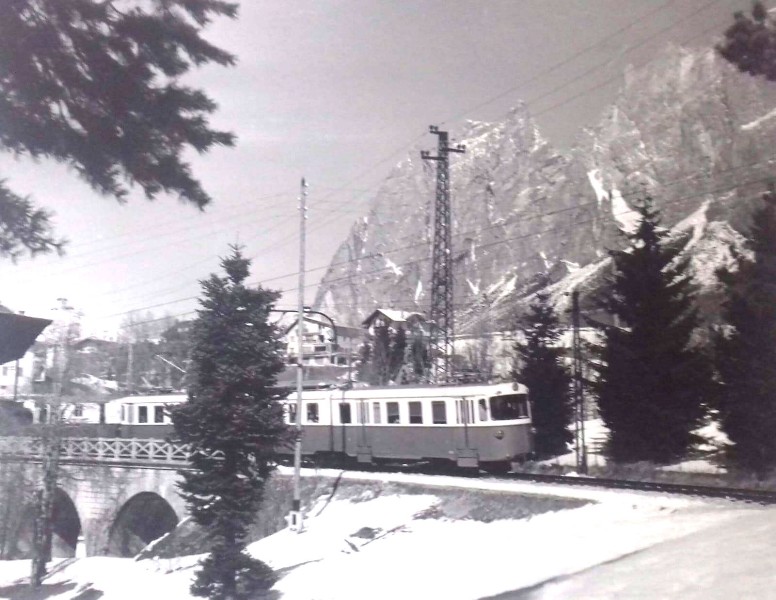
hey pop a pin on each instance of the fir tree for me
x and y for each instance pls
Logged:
(97, 86)
(750, 43)
(398, 352)
(381, 356)
(542, 370)
(652, 383)
(421, 362)
(746, 349)
(233, 425)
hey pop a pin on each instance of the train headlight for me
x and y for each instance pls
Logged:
(499, 435)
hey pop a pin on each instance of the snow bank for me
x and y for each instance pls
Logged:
(389, 545)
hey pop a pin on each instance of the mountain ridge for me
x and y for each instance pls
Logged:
(687, 128)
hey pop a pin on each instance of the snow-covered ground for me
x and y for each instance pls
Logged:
(595, 436)
(389, 545)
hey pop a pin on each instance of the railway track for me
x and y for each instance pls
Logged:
(765, 497)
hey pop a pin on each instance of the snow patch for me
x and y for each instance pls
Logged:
(628, 220)
(418, 291)
(594, 177)
(571, 265)
(757, 122)
(474, 287)
(393, 266)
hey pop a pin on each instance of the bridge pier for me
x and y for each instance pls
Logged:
(118, 494)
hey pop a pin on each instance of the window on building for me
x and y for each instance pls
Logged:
(312, 412)
(416, 413)
(20, 372)
(78, 410)
(376, 413)
(142, 414)
(5, 370)
(392, 412)
(158, 414)
(438, 412)
(511, 406)
(291, 413)
(344, 410)
(123, 413)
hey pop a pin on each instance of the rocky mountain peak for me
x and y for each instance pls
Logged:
(688, 129)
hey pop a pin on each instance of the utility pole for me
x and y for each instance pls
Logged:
(441, 315)
(130, 360)
(295, 518)
(579, 398)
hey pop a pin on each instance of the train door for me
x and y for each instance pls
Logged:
(364, 448)
(466, 456)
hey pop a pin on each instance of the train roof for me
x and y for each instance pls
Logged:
(419, 391)
(152, 399)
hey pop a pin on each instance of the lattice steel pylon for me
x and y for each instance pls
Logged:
(441, 314)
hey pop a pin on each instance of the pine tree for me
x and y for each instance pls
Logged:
(398, 351)
(97, 86)
(542, 370)
(381, 356)
(750, 44)
(233, 424)
(652, 383)
(746, 348)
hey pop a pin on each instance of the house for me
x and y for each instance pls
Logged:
(411, 322)
(323, 343)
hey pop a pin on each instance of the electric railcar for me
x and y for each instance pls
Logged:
(467, 425)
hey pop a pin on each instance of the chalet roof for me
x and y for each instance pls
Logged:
(99, 342)
(394, 316)
(343, 331)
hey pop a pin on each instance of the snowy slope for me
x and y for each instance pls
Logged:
(390, 545)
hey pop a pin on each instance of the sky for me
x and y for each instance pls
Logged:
(338, 92)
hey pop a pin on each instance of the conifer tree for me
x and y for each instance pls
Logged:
(652, 384)
(542, 370)
(746, 348)
(96, 85)
(750, 43)
(398, 352)
(381, 356)
(233, 424)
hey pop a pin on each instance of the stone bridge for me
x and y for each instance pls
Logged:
(114, 496)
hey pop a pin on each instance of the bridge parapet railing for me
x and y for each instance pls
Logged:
(98, 449)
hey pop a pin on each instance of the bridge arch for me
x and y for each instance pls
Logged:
(66, 525)
(142, 519)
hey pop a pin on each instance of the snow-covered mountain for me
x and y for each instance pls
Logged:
(687, 128)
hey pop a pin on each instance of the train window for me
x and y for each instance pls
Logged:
(291, 413)
(511, 406)
(78, 410)
(482, 404)
(123, 413)
(376, 412)
(142, 414)
(363, 412)
(392, 412)
(416, 413)
(158, 414)
(312, 412)
(463, 411)
(438, 412)
(345, 416)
